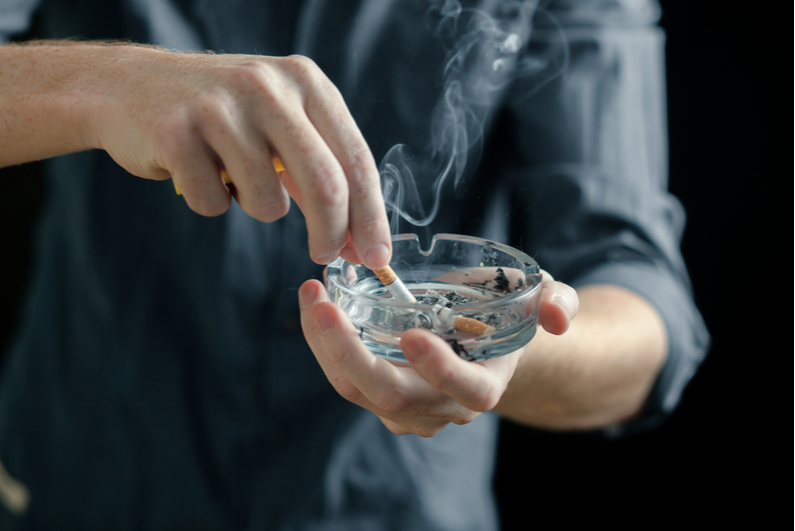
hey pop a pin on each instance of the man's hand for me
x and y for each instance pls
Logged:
(188, 116)
(437, 387)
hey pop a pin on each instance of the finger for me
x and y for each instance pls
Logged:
(394, 427)
(349, 254)
(319, 180)
(392, 391)
(369, 227)
(248, 161)
(379, 381)
(290, 186)
(310, 295)
(557, 306)
(476, 386)
(194, 168)
(424, 427)
(403, 407)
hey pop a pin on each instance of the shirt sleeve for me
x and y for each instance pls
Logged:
(15, 17)
(588, 171)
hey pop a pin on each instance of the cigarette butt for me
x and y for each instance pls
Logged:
(473, 326)
(386, 275)
(466, 324)
(277, 165)
(390, 280)
(395, 286)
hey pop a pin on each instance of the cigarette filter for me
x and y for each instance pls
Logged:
(395, 286)
(400, 292)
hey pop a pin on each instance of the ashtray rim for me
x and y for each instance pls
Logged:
(532, 270)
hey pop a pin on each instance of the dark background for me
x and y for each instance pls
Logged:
(713, 461)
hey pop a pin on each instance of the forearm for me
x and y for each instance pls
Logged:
(51, 93)
(596, 374)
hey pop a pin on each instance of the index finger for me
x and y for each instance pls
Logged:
(367, 219)
(368, 223)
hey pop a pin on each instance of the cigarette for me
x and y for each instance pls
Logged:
(395, 286)
(277, 165)
(473, 326)
(400, 292)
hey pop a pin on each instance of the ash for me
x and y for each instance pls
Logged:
(448, 300)
(459, 349)
(453, 298)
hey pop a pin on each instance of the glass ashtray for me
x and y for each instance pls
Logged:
(478, 295)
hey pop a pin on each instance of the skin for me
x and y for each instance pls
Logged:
(188, 116)
(596, 374)
(161, 114)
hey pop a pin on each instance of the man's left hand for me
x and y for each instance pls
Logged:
(436, 387)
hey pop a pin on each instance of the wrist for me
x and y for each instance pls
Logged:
(105, 88)
(596, 374)
(58, 93)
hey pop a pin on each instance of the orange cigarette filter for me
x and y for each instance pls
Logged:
(386, 275)
(277, 165)
(473, 326)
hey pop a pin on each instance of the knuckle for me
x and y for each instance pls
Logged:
(429, 430)
(326, 247)
(485, 399)
(302, 66)
(465, 417)
(330, 189)
(311, 80)
(361, 159)
(397, 401)
(174, 126)
(346, 389)
(254, 74)
(311, 333)
(369, 227)
(210, 101)
(338, 356)
(211, 109)
(395, 428)
(362, 174)
(441, 377)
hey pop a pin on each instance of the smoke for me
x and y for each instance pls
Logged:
(485, 52)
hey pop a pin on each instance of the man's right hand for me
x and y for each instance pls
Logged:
(161, 114)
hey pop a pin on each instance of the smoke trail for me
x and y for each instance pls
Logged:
(484, 54)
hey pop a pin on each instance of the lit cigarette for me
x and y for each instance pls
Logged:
(395, 286)
(277, 165)
(400, 292)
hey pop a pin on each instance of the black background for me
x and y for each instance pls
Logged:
(714, 460)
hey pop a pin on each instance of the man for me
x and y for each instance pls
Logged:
(161, 380)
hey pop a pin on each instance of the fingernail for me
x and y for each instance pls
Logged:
(418, 348)
(307, 295)
(324, 320)
(377, 257)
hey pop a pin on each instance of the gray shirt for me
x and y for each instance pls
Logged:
(161, 380)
